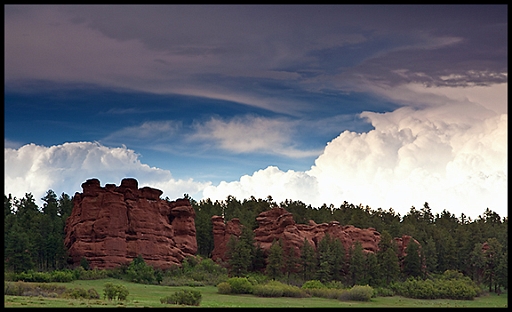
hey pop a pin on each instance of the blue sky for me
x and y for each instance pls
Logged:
(386, 106)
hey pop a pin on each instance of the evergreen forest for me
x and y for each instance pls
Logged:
(34, 236)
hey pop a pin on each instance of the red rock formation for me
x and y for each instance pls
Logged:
(402, 243)
(277, 223)
(221, 234)
(110, 226)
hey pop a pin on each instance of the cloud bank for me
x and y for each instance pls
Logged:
(451, 154)
(63, 168)
(436, 154)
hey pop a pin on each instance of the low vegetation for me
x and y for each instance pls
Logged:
(183, 297)
(448, 269)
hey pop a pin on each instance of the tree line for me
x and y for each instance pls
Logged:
(34, 236)
(447, 243)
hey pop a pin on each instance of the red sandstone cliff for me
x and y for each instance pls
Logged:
(277, 223)
(112, 225)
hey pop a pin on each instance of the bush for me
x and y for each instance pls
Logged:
(278, 289)
(335, 285)
(361, 293)
(186, 297)
(92, 294)
(93, 274)
(84, 263)
(224, 288)
(115, 291)
(313, 284)
(240, 285)
(139, 272)
(383, 292)
(257, 278)
(78, 292)
(267, 291)
(62, 276)
(29, 289)
(450, 286)
(31, 276)
(13, 289)
(357, 293)
(196, 272)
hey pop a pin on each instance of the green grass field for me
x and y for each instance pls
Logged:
(149, 296)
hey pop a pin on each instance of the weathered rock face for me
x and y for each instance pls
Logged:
(112, 225)
(277, 223)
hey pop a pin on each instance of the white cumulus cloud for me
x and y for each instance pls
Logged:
(451, 153)
(63, 168)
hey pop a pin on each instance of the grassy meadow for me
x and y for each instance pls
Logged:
(149, 296)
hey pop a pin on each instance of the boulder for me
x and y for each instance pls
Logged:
(110, 226)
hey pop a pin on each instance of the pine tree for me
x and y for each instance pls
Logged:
(477, 260)
(387, 259)
(238, 256)
(275, 260)
(308, 261)
(493, 258)
(371, 272)
(412, 261)
(430, 253)
(325, 260)
(258, 259)
(17, 254)
(357, 264)
(340, 260)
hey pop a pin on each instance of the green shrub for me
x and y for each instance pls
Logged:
(197, 272)
(335, 285)
(313, 284)
(267, 291)
(92, 294)
(30, 289)
(186, 297)
(62, 276)
(139, 272)
(77, 272)
(81, 293)
(278, 289)
(115, 291)
(451, 285)
(84, 263)
(14, 289)
(357, 293)
(257, 278)
(31, 276)
(240, 285)
(10, 276)
(328, 293)
(383, 292)
(93, 274)
(223, 288)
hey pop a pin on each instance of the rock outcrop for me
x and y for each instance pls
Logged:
(277, 223)
(112, 225)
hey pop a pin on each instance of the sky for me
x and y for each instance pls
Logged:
(386, 106)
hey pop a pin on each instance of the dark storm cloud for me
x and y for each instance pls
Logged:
(436, 40)
(205, 49)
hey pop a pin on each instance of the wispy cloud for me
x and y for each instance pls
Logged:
(252, 134)
(150, 131)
